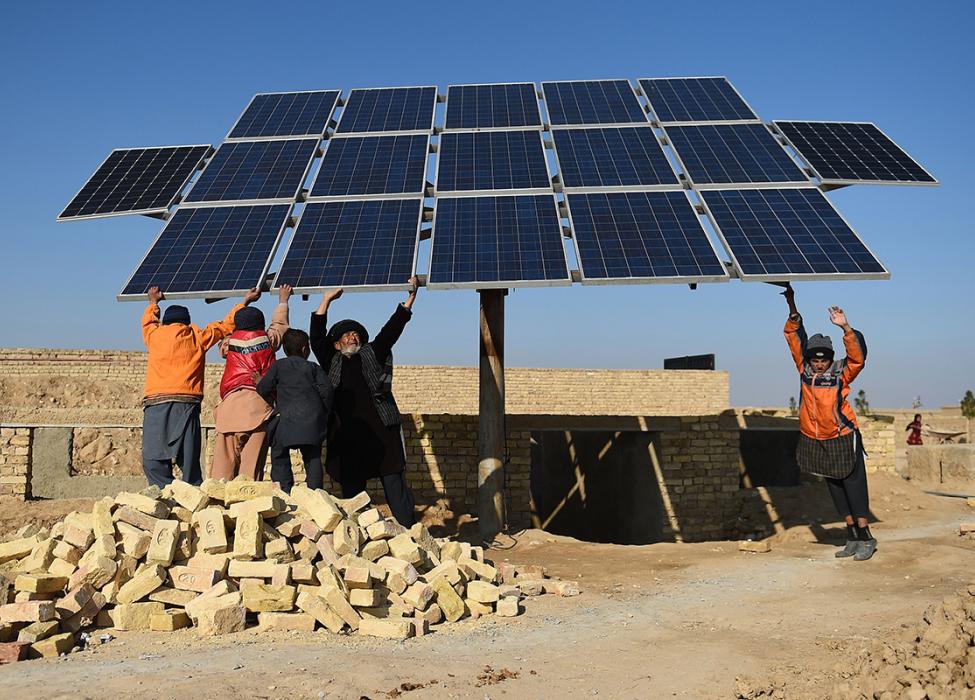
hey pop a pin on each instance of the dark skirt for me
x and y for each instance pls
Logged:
(833, 459)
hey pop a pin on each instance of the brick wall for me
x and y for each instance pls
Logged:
(15, 456)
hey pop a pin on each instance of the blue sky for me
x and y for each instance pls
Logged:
(82, 78)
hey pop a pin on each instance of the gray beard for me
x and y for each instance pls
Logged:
(351, 350)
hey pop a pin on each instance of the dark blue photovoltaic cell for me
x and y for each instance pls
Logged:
(784, 232)
(353, 244)
(286, 114)
(592, 102)
(852, 151)
(372, 165)
(211, 249)
(487, 240)
(611, 157)
(487, 106)
(641, 235)
(733, 154)
(695, 100)
(136, 179)
(246, 170)
(492, 160)
(388, 109)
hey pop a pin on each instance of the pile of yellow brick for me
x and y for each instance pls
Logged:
(227, 554)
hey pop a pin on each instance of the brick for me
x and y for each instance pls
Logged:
(310, 530)
(288, 525)
(248, 542)
(40, 583)
(78, 536)
(324, 547)
(88, 613)
(73, 601)
(265, 506)
(187, 578)
(448, 570)
(508, 606)
(354, 504)
(251, 569)
(59, 567)
(215, 490)
(357, 577)
(340, 606)
(477, 609)
(400, 567)
(182, 514)
(564, 589)
(97, 573)
(67, 552)
(169, 620)
(450, 603)
(419, 595)
(101, 517)
(222, 621)
(483, 592)
(142, 584)
(316, 607)
(36, 631)
(318, 505)
(384, 529)
(286, 622)
(476, 569)
(144, 504)
(39, 558)
(279, 550)
(403, 547)
(12, 652)
(163, 544)
(368, 517)
(366, 598)
(135, 542)
(432, 615)
(218, 562)
(451, 550)
(206, 601)
(134, 616)
(754, 546)
(243, 489)
(374, 550)
(190, 497)
(52, 647)
(266, 597)
(345, 538)
(530, 587)
(303, 572)
(421, 627)
(387, 629)
(172, 596)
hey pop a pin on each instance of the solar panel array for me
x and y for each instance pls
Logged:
(640, 198)
(852, 152)
(255, 170)
(504, 105)
(220, 250)
(677, 100)
(136, 181)
(286, 114)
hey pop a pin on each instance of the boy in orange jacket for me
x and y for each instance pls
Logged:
(174, 387)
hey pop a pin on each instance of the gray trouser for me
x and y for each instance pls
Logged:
(171, 433)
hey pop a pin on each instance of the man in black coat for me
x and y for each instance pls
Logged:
(365, 438)
(302, 394)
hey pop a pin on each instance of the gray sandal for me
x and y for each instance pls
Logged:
(865, 549)
(849, 550)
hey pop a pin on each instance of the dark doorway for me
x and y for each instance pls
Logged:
(598, 486)
(768, 458)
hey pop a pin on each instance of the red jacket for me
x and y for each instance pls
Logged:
(247, 352)
(824, 412)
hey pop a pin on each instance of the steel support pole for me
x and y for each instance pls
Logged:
(491, 436)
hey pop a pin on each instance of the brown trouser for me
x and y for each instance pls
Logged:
(239, 453)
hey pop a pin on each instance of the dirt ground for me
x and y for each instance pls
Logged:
(662, 620)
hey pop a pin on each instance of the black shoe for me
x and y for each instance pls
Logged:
(849, 550)
(865, 549)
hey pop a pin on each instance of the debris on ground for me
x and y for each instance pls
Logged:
(491, 677)
(754, 546)
(228, 555)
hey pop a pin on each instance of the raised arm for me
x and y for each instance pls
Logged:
(279, 318)
(150, 317)
(318, 329)
(214, 332)
(856, 347)
(795, 334)
(384, 341)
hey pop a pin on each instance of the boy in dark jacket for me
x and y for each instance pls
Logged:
(302, 394)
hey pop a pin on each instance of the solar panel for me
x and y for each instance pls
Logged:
(492, 161)
(789, 234)
(853, 152)
(136, 181)
(732, 154)
(695, 100)
(362, 243)
(592, 102)
(251, 171)
(612, 157)
(372, 165)
(626, 237)
(210, 251)
(497, 242)
(286, 114)
(504, 105)
(388, 109)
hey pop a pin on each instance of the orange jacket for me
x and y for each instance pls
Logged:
(177, 353)
(824, 412)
